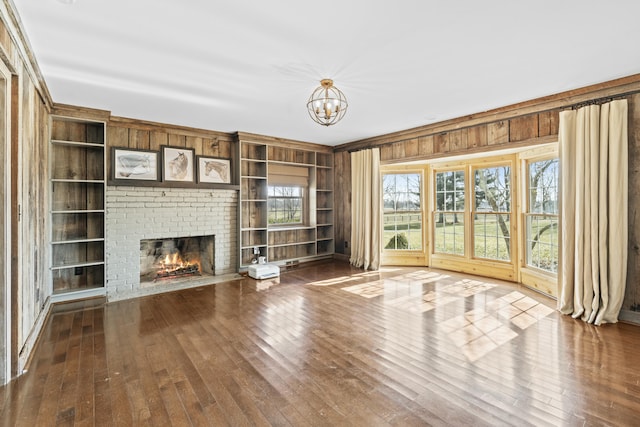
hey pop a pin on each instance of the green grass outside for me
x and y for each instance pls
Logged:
(489, 243)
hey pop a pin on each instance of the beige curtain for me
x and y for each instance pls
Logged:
(594, 181)
(365, 209)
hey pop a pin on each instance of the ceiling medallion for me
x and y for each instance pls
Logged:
(327, 104)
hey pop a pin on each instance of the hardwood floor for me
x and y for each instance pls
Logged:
(330, 345)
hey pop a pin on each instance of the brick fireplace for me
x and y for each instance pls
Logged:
(176, 258)
(136, 214)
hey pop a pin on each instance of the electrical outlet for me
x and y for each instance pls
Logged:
(346, 244)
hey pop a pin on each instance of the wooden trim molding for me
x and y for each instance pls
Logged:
(83, 113)
(283, 142)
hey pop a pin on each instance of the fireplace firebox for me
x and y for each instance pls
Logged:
(176, 258)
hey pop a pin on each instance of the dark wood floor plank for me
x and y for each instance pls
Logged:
(305, 351)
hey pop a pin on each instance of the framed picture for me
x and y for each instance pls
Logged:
(134, 165)
(177, 164)
(213, 169)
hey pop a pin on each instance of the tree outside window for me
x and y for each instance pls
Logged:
(492, 214)
(402, 211)
(542, 215)
(449, 212)
(285, 204)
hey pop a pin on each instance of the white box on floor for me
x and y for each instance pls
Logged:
(264, 271)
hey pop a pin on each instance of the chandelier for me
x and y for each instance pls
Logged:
(327, 104)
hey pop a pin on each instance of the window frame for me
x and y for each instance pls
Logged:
(302, 198)
(506, 270)
(406, 256)
(510, 213)
(284, 174)
(462, 213)
(539, 279)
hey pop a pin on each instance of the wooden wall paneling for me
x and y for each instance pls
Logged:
(60, 131)
(156, 139)
(342, 201)
(225, 148)
(386, 152)
(498, 132)
(412, 148)
(31, 230)
(441, 143)
(211, 147)
(177, 140)
(458, 140)
(195, 143)
(523, 128)
(477, 136)
(215, 148)
(95, 164)
(551, 122)
(77, 131)
(26, 181)
(117, 136)
(399, 150)
(555, 122)
(425, 145)
(545, 123)
(139, 139)
(5, 38)
(632, 291)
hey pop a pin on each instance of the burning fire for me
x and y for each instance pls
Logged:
(173, 265)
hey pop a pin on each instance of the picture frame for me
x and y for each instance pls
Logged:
(131, 165)
(213, 170)
(177, 164)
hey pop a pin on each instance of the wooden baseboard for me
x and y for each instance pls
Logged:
(26, 352)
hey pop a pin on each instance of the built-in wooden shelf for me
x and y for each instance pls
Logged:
(77, 179)
(282, 244)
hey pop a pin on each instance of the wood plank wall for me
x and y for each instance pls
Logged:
(467, 135)
(632, 292)
(141, 135)
(31, 105)
(527, 130)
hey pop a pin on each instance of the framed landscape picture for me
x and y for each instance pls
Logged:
(134, 165)
(214, 170)
(177, 164)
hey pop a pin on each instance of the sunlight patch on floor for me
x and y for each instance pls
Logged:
(477, 331)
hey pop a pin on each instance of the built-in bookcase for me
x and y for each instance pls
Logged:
(77, 179)
(284, 244)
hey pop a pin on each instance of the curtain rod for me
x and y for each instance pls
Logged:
(598, 101)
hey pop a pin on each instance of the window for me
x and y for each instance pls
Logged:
(402, 211)
(287, 194)
(492, 214)
(542, 215)
(449, 212)
(285, 204)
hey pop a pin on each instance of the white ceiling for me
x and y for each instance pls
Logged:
(250, 65)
